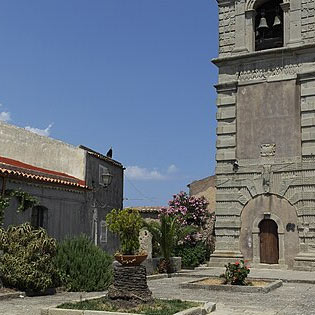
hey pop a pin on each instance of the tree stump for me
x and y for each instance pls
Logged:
(130, 284)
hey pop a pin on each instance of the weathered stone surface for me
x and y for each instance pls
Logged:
(130, 283)
(145, 240)
(266, 100)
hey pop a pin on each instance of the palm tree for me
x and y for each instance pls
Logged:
(168, 232)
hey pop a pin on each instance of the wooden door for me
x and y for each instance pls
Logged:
(269, 242)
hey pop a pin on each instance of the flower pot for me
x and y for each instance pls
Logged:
(130, 260)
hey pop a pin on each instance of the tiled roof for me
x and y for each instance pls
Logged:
(14, 168)
(147, 209)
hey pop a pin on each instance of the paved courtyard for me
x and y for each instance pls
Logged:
(292, 298)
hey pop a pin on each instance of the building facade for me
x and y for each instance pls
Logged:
(265, 173)
(204, 187)
(66, 181)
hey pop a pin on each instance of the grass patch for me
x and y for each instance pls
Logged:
(157, 307)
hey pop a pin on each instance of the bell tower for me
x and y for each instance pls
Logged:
(265, 173)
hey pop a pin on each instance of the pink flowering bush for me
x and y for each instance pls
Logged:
(191, 211)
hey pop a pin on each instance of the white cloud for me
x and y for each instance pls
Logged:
(172, 169)
(41, 132)
(5, 116)
(140, 173)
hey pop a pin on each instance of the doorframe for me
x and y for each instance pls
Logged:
(256, 239)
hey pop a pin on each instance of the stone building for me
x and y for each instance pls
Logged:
(265, 173)
(204, 187)
(68, 182)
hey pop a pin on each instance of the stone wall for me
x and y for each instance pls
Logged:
(226, 28)
(204, 187)
(28, 147)
(308, 21)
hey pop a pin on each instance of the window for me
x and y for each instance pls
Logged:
(269, 25)
(39, 217)
(104, 232)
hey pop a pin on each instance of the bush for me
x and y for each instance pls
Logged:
(83, 266)
(192, 255)
(236, 273)
(26, 263)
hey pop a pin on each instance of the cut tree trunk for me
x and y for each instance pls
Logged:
(130, 283)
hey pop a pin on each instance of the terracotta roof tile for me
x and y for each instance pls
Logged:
(14, 168)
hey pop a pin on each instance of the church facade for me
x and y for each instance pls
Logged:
(265, 173)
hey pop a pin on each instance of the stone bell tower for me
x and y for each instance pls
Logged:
(265, 173)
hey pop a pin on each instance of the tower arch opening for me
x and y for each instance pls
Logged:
(269, 30)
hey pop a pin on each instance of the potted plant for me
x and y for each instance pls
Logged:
(126, 224)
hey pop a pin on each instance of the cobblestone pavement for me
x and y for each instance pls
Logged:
(291, 298)
(32, 305)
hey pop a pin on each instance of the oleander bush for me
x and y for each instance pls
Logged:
(191, 214)
(192, 254)
(83, 266)
(27, 260)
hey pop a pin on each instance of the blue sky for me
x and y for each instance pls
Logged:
(132, 74)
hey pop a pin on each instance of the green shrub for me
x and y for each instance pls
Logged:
(126, 224)
(192, 255)
(83, 266)
(26, 263)
(236, 273)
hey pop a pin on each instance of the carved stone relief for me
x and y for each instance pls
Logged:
(264, 70)
(267, 149)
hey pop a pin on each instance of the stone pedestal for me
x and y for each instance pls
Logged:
(130, 283)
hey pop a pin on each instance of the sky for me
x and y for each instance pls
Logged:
(132, 74)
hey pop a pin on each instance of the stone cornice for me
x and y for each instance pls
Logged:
(258, 55)
(225, 2)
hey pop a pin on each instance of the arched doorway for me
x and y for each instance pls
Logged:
(269, 242)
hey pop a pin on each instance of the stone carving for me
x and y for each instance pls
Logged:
(290, 227)
(267, 149)
(266, 175)
(264, 70)
(145, 240)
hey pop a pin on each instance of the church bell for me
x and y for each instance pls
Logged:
(277, 21)
(263, 22)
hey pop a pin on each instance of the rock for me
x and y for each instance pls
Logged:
(145, 240)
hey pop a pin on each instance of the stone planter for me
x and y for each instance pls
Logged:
(264, 288)
(130, 260)
(152, 264)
